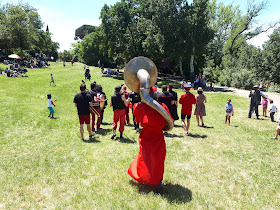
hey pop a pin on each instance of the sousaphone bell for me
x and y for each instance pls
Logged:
(140, 74)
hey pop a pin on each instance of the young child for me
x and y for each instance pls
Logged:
(229, 111)
(52, 80)
(264, 105)
(272, 110)
(277, 128)
(50, 104)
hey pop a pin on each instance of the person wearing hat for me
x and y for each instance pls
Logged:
(255, 96)
(187, 100)
(199, 110)
(148, 165)
(174, 106)
(118, 102)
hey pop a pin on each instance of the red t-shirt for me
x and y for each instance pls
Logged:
(187, 100)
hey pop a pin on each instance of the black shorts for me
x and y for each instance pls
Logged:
(183, 116)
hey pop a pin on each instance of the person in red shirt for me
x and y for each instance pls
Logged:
(148, 165)
(187, 100)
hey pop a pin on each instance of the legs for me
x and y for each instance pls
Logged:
(197, 119)
(186, 127)
(227, 120)
(82, 131)
(272, 116)
(201, 118)
(119, 115)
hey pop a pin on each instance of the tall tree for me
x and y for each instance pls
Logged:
(271, 52)
(84, 30)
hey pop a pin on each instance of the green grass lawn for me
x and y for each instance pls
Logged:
(44, 164)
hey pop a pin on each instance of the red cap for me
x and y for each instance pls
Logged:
(124, 87)
(153, 89)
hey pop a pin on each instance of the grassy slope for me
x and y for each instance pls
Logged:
(44, 164)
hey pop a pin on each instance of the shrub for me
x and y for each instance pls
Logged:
(225, 77)
(274, 87)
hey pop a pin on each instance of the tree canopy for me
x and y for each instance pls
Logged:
(21, 28)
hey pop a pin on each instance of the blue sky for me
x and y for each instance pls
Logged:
(64, 16)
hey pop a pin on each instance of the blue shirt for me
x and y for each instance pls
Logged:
(229, 108)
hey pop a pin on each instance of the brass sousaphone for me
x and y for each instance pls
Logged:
(139, 75)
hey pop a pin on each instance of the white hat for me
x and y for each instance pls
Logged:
(187, 86)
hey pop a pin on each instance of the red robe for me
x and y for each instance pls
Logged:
(148, 165)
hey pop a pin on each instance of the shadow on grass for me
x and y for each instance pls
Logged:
(92, 140)
(172, 135)
(222, 89)
(207, 126)
(173, 193)
(104, 131)
(197, 136)
(125, 140)
(106, 123)
(177, 126)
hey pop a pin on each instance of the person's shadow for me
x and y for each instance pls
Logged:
(171, 192)
(197, 136)
(125, 140)
(91, 140)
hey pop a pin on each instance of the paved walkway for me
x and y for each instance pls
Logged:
(245, 93)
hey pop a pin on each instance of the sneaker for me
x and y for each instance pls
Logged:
(185, 133)
(113, 136)
(274, 138)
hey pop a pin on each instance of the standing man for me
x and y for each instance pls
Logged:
(255, 96)
(96, 105)
(174, 106)
(135, 98)
(166, 97)
(118, 102)
(187, 100)
(82, 101)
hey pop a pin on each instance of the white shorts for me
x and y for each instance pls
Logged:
(278, 126)
(229, 114)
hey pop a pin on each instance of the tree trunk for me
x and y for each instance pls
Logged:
(181, 67)
(192, 67)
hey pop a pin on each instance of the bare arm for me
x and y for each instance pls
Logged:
(126, 102)
(75, 104)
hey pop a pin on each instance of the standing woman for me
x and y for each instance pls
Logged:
(199, 111)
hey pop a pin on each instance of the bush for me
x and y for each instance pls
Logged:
(274, 87)
(212, 74)
(243, 79)
(225, 77)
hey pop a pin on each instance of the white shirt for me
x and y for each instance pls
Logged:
(50, 102)
(273, 107)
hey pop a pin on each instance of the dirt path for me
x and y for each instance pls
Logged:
(245, 93)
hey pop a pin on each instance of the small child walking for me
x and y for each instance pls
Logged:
(264, 106)
(229, 111)
(50, 104)
(277, 128)
(52, 80)
(272, 110)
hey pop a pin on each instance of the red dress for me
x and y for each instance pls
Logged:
(148, 165)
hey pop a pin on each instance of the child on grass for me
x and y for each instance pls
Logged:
(264, 105)
(52, 80)
(50, 104)
(277, 128)
(229, 111)
(272, 110)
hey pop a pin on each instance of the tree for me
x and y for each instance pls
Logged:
(84, 30)
(271, 53)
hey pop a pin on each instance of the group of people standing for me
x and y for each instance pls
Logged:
(90, 102)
